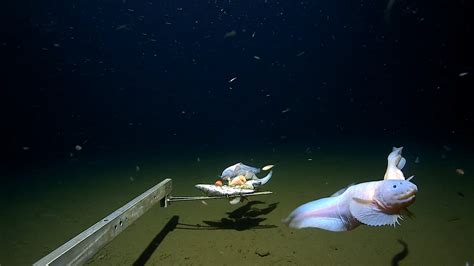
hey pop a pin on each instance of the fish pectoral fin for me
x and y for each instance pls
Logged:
(366, 212)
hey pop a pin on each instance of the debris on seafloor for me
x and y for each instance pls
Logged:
(262, 252)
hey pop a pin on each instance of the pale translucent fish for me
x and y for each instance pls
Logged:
(232, 79)
(375, 203)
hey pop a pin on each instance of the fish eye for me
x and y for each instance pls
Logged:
(394, 186)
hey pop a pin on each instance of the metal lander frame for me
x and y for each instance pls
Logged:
(86, 244)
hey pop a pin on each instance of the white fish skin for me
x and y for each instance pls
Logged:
(395, 164)
(373, 203)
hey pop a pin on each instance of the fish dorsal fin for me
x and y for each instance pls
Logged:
(366, 212)
(341, 191)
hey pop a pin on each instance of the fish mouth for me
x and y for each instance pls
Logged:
(409, 195)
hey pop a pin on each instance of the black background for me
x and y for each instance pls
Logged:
(149, 75)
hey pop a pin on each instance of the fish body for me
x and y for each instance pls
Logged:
(331, 213)
(373, 203)
(240, 169)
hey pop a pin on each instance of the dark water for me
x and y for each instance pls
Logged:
(183, 89)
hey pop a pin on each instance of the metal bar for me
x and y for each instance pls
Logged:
(175, 199)
(82, 247)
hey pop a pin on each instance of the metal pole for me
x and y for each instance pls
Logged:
(82, 247)
(175, 199)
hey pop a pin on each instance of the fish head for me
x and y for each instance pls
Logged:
(394, 195)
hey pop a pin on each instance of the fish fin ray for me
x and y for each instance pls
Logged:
(370, 214)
